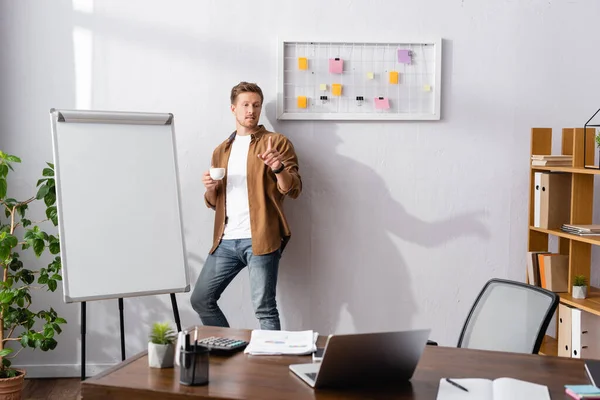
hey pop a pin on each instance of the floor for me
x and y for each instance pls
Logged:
(54, 389)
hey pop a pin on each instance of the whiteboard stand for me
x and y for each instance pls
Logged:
(108, 242)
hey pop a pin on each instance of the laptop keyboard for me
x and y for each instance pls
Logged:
(312, 375)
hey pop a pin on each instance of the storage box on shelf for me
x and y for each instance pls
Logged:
(577, 248)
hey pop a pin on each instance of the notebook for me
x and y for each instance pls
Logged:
(498, 389)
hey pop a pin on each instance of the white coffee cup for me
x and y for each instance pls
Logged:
(217, 173)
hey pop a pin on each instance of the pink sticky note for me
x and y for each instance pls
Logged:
(336, 65)
(404, 56)
(382, 103)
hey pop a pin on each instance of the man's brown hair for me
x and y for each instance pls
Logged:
(245, 87)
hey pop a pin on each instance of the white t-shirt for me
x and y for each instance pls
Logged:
(236, 197)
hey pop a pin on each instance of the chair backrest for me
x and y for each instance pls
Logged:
(509, 316)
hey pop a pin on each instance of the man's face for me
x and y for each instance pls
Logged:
(247, 109)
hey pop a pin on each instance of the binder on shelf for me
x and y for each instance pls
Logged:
(556, 272)
(552, 199)
(537, 199)
(585, 334)
(564, 330)
(533, 267)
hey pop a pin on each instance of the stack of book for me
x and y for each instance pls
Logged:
(582, 230)
(547, 160)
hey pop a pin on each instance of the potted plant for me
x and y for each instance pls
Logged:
(579, 287)
(161, 348)
(21, 324)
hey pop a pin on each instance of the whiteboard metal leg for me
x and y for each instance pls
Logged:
(83, 340)
(175, 312)
(122, 323)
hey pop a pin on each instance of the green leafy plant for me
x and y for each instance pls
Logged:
(580, 280)
(162, 333)
(598, 138)
(19, 323)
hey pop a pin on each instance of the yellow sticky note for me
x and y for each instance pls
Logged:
(323, 86)
(393, 77)
(301, 101)
(370, 75)
(336, 89)
(427, 88)
(302, 63)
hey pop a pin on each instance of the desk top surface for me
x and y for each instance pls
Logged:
(241, 376)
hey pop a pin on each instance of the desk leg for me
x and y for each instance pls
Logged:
(83, 340)
(122, 324)
(175, 312)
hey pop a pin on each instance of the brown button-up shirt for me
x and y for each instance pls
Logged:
(268, 226)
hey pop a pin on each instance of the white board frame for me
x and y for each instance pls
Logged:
(120, 119)
(282, 114)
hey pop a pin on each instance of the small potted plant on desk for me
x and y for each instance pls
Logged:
(579, 287)
(161, 348)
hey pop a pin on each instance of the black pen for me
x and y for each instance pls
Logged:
(456, 384)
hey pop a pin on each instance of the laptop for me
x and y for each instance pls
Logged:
(365, 358)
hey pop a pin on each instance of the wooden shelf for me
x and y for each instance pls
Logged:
(590, 304)
(573, 170)
(557, 232)
(549, 346)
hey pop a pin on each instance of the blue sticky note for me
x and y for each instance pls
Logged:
(583, 389)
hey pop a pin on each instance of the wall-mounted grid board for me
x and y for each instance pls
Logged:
(359, 81)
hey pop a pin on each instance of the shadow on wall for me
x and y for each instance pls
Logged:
(358, 280)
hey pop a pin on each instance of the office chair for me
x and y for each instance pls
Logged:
(509, 316)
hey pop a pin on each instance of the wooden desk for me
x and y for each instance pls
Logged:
(267, 377)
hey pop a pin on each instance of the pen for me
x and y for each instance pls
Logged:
(456, 384)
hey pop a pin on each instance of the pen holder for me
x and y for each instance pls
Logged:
(193, 366)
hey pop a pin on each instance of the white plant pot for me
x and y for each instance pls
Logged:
(579, 292)
(161, 355)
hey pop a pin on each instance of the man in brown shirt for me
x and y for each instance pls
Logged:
(250, 226)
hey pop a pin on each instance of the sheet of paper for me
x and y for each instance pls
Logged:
(382, 104)
(336, 66)
(302, 63)
(393, 77)
(336, 89)
(301, 101)
(404, 56)
(263, 342)
(515, 389)
(478, 389)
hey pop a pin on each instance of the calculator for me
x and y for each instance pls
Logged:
(222, 343)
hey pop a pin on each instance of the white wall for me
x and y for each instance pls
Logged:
(400, 224)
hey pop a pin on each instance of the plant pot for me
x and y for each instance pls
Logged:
(579, 292)
(12, 388)
(161, 355)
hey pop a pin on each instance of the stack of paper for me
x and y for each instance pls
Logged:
(263, 342)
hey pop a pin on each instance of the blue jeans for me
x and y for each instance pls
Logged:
(219, 270)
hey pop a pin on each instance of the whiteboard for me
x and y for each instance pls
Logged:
(359, 80)
(118, 204)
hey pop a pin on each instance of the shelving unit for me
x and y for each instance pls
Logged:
(578, 248)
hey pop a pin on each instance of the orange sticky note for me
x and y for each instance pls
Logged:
(302, 63)
(301, 101)
(336, 89)
(393, 77)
